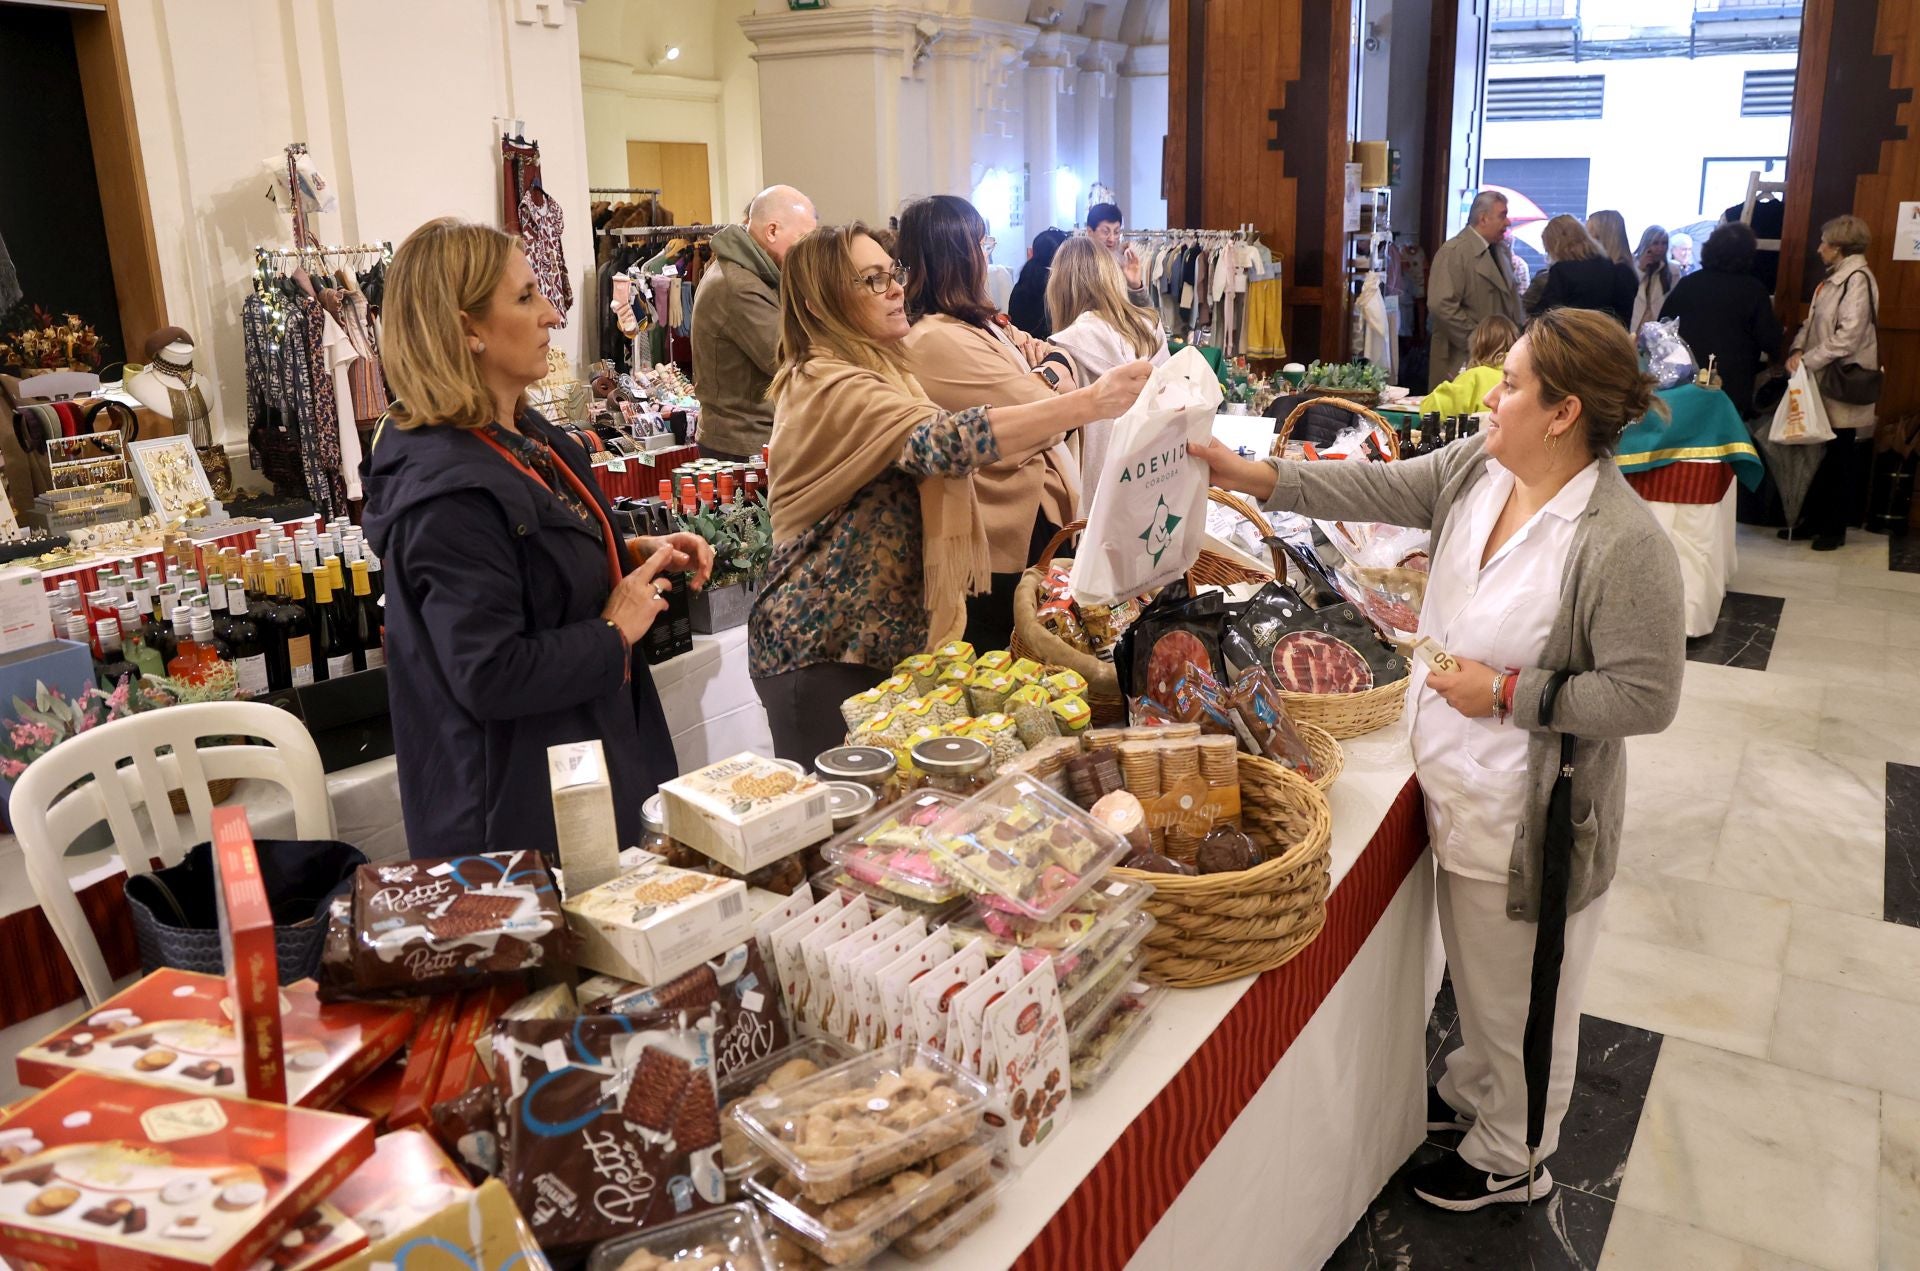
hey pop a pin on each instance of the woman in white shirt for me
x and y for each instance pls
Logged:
(1093, 319)
(1560, 599)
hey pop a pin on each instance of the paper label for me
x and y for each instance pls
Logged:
(171, 1122)
(933, 995)
(1191, 806)
(816, 984)
(899, 978)
(1028, 1065)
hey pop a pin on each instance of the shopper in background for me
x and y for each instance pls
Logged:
(1655, 281)
(1470, 280)
(1093, 320)
(1582, 276)
(1726, 314)
(1609, 229)
(736, 323)
(879, 536)
(964, 354)
(1842, 327)
(512, 604)
(1466, 393)
(1104, 228)
(1028, 306)
(1545, 562)
(1680, 255)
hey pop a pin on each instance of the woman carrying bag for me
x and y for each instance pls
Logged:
(1839, 344)
(1560, 598)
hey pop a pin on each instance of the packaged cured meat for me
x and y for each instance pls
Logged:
(1263, 720)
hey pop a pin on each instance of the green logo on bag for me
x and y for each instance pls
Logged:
(1158, 536)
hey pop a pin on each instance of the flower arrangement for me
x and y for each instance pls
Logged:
(35, 340)
(37, 727)
(741, 538)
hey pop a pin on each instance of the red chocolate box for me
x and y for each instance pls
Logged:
(120, 1173)
(175, 1028)
(408, 1181)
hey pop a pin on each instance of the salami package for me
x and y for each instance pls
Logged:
(1175, 632)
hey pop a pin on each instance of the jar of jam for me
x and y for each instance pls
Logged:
(958, 765)
(871, 766)
(653, 838)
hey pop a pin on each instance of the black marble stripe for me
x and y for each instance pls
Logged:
(1902, 903)
(1743, 634)
(1903, 552)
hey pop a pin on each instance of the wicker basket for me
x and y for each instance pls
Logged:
(219, 791)
(1328, 758)
(1345, 401)
(1215, 927)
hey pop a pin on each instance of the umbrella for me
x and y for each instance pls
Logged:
(1550, 942)
(1792, 467)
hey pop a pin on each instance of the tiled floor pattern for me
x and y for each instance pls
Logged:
(1749, 1093)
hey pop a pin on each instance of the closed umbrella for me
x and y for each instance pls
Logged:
(1550, 941)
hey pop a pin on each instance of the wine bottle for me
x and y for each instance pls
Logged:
(294, 619)
(334, 650)
(369, 631)
(343, 606)
(133, 642)
(110, 664)
(244, 642)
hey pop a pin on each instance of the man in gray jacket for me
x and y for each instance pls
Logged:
(1470, 280)
(736, 323)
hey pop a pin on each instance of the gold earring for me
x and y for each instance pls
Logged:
(1553, 439)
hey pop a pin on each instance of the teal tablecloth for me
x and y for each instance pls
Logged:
(1705, 425)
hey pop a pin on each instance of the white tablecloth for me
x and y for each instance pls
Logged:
(1702, 536)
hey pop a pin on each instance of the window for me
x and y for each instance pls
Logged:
(1553, 185)
(1766, 93)
(1723, 182)
(1550, 97)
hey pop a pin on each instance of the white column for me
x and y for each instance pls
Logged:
(1141, 124)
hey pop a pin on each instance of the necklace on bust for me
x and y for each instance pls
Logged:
(182, 371)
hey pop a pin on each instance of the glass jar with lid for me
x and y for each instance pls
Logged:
(871, 766)
(654, 839)
(958, 765)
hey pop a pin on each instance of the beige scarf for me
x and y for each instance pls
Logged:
(836, 427)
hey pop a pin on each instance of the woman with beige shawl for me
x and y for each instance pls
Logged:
(878, 537)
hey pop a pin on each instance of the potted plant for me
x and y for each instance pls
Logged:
(742, 542)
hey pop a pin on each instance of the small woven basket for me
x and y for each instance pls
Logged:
(1216, 927)
(219, 790)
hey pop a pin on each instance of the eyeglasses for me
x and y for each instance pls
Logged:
(879, 283)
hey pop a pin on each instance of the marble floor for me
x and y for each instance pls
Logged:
(1749, 1084)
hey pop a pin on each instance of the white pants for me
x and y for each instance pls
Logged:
(1490, 957)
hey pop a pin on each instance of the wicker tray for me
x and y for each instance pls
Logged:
(220, 789)
(1216, 927)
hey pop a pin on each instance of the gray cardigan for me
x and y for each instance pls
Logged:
(1620, 630)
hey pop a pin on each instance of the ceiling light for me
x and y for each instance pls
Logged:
(673, 52)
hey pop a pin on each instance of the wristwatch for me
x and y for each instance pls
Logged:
(1047, 373)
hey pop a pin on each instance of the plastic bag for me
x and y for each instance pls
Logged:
(1669, 360)
(1149, 515)
(1801, 418)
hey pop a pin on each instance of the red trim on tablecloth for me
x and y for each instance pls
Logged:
(1683, 482)
(1115, 1207)
(39, 977)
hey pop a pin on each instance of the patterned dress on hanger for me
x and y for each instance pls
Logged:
(541, 226)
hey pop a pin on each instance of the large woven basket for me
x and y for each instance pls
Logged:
(1345, 714)
(1032, 640)
(1328, 759)
(1215, 927)
(1356, 404)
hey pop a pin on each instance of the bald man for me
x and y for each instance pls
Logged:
(736, 323)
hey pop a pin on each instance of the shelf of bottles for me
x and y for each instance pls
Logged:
(285, 610)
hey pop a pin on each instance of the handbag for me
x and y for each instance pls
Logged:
(1850, 382)
(176, 910)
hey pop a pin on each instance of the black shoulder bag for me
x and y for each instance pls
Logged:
(1850, 382)
(1550, 942)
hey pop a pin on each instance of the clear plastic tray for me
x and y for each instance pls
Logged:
(1024, 851)
(957, 1220)
(739, 1155)
(833, 878)
(1123, 949)
(865, 1120)
(1104, 934)
(1105, 1046)
(1096, 997)
(888, 850)
(732, 1233)
(855, 1230)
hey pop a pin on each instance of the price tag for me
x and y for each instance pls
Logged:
(616, 465)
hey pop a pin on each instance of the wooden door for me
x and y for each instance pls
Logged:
(678, 169)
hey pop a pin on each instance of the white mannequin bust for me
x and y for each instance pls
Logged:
(149, 387)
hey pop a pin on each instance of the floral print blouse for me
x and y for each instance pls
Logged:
(849, 588)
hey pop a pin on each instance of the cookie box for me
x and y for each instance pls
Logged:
(865, 1120)
(960, 1218)
(175, 1028)
(103, 1171)
(888, 853)
(738, 1154)
(406, 1181)
(726, 1239)
(481, 1231)
(746, 812)
(853, 1230)
(1025, 852)
(1107, 1041)
(656, 922)
(1080, 942)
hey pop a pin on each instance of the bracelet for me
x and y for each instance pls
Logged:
(1499, 682)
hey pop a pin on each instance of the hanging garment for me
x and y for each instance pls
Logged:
(520, 165)
(541, 227)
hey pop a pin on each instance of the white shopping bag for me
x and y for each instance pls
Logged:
(1801, 419)
(1149, 515)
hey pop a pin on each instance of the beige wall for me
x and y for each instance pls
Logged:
(396, 102)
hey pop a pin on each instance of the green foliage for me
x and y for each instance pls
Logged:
(1349, 376)
(741, 538)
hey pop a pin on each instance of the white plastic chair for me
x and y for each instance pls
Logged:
(48, 816)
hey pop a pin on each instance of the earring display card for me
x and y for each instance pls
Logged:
(99, 446)
(171, 478)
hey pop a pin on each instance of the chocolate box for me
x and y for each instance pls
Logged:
(656, 922)
(407, 1181)
(746, 812)
(175, 1028)
(104, 1171)
(320, 1238)
(253, 968)
(426, 1058)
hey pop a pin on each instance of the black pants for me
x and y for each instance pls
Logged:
(803, 706)
(990, 617)
(1832, 497)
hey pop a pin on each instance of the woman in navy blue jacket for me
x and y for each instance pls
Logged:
(513, 607)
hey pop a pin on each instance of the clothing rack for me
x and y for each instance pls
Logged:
(1244, 234)
(662, 231)
(265, 254)
(623, 189)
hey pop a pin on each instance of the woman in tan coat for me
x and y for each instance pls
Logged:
(879, 538)
(965, 354)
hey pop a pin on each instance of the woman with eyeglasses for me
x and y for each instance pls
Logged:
(879, 534)
(964, 353)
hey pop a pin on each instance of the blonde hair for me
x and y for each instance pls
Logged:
(1848, 234)
(1588, 354)
(1087, 279)
(1609, 229)
(446, 268)
(1491, 341)
(818, 304)
(1565, 238)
